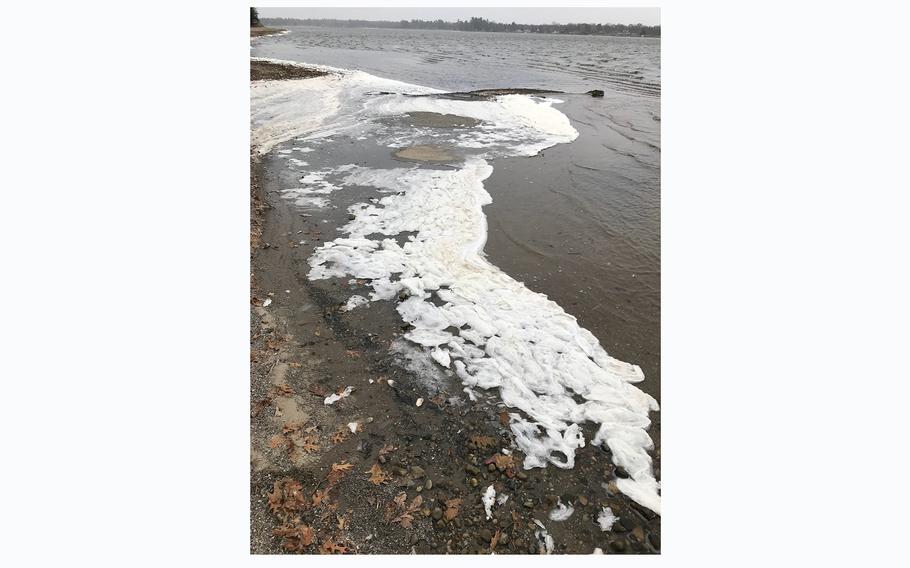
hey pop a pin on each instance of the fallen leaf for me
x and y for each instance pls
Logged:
(388, 448)
(295, 537)
(377, 476)
(330, 547)
(339, 436)
(343, 466)
(504, 418)
(483, 441)
(277, 440)
(353, 354)
(452, 507)
(503, 462)
(495, 540)
(309, 444)
(295, 365)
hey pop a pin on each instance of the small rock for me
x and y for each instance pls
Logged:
(486, 535)
(522, 476)
(428, 485)
(491, 467)
(437, 514)
(417, 472)
(618, 545)
(621, 473)
(529, 504)
(471, 469)
(583, 500)
(473, 482)
(504, 539)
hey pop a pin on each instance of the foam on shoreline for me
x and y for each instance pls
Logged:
(469, 317)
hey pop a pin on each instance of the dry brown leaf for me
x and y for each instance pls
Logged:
(318, 497)
(353, 354)
(503, 462)
(495, 540)
(340, 436)
(342, 466)
(406, 517)
(342, 522)
(483, 441)
(277, 440)
(295, 537)
(388, 448)
(284, 389)
(504, 418)
(291, 427)
(287, 498)
(330, 547)
(377, 476)
(309, 444)
(452, 507)
(295, 365)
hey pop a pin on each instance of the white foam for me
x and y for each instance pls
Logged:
(333, 398)
(511, 338)
(353, 302)
(489, 497)
(561, 512)
(606, 518)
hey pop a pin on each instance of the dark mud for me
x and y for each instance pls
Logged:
(264, 70)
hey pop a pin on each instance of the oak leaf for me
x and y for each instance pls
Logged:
(452, 507)
(330, 547)
(483, 441)
(377, 476)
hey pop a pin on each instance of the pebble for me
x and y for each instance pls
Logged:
(474, 482)
(428, 485)
(522, 476)
(417, 472)
(529, 504)
(618, 545)
(491, 467)
(504, 539)
(437, 514)
(486, 535)
(471, 469)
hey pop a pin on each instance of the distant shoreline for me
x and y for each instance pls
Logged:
(264, 31)
(608, 30)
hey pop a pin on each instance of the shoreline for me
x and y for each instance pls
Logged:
(265, 31)
(301, 347)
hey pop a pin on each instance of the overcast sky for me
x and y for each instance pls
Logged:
(647, 16)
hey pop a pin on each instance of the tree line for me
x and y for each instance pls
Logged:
(478, 25)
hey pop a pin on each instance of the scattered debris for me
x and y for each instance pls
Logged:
(605, 519)
(562, 511)
(332, 399)
(489, 497)
(266, 302)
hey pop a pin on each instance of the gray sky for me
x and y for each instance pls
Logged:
(647, 16)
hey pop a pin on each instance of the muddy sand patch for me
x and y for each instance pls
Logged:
(425, 153)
